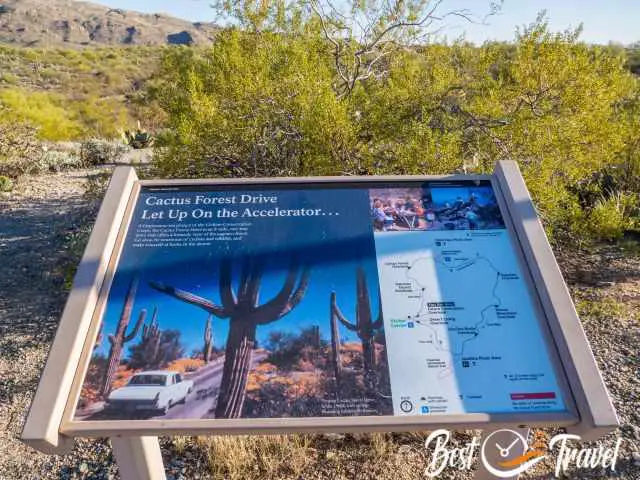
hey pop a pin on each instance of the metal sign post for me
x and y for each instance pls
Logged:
(396, 286)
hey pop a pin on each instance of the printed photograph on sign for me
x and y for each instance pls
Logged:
(235, 304)
(458, 207)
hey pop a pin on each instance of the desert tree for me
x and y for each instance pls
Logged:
(171, 347)
(361, 34)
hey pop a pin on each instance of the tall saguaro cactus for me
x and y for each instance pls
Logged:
(151, 336)
(336, 360)
(245, 314)
(208, 340)
(364, 325)
(120, 337)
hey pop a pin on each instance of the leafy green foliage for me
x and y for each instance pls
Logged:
(252, 105)
(358, 35)
(263, 104)
(43, 109)
(611, 216)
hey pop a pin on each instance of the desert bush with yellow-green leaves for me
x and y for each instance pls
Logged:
(76, 94)
(266, 104)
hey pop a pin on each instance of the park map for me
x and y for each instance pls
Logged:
(458, 319)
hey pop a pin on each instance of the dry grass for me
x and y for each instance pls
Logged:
(256, 456)
(309, 457)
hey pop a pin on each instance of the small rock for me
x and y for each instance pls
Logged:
(404, 449)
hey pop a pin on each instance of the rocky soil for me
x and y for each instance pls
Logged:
(36, 224)
(41, 230)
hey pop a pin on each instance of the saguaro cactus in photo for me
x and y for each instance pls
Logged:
(151, 336)
(364, 325)
(336, 359)
(245, 314)
(317, 340)
(121, 337)
(208, 340)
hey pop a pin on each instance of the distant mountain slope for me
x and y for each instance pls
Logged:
(41, 23)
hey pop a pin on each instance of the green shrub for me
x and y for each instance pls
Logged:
(55, 161)
(261, 105)
(20, 149)
(98, 152)
(8, 78)
(252, 105)
(612, 216)
(6, 184)
(100, 117)
(44, 110)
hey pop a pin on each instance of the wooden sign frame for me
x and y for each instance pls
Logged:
(50, 426)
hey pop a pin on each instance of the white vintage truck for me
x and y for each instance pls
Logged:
(152, 390)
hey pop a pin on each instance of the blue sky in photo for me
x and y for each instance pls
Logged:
(615, 20)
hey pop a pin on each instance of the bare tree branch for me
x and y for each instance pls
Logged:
(360, 33)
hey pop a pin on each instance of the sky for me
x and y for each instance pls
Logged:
(603, 22)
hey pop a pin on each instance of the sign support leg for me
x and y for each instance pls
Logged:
(138, 458)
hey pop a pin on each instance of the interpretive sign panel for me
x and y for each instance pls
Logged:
(316, 304)
(250, 302)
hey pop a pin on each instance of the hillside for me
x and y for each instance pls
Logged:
(47, 23)
(73, 93)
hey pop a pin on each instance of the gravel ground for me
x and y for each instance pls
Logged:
(42, 218)
(36, 223)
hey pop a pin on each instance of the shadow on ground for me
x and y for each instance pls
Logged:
(35, 259)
